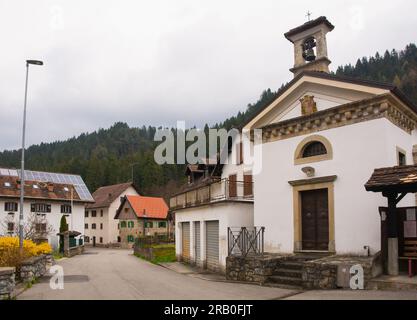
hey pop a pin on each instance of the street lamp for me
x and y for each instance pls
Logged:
(22, 169)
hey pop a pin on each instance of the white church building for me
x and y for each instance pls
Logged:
(322, 137)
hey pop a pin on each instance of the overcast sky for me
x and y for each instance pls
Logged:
(156, 62)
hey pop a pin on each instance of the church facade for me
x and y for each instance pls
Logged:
(322, 137)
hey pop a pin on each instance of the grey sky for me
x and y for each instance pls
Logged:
(156, 62)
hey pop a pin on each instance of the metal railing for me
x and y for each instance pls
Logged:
(243, 241)
(219, 190)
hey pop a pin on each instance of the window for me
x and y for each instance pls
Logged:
(93, 226)
(119, 239)
(66, 208)
(123, 224)
(314, 148)
(101, 213)
(40, 227)
(94, 213)
(10, 206)
(130, 224)
(101, 226)
(86, 226)
(130, 238)
(149, 224)
(402, 159)
(40, 207)
(87, 239)
(86, 214)
(162, 224)
(101, 239)
(10, 226)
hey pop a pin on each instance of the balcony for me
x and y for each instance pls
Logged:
(214, 191)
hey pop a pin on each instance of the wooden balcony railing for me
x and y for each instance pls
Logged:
(220, 190)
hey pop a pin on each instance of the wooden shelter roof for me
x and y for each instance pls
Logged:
(398, 179)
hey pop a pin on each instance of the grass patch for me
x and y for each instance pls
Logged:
(57, 255)
(161, 253)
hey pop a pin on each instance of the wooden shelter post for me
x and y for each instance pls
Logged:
(392, 265)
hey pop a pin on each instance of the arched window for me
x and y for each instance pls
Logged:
(314, 148)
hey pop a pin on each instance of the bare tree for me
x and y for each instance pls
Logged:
(35, 227)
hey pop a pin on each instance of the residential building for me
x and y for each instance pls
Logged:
(216, 198)
(48, 197)
(101, 229)
(322, 137)
(141, 216)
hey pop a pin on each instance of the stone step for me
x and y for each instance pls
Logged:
(292, 273)
(293, 265)
(286, 280)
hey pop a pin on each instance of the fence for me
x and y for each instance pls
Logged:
(243, 241)
(157, 238)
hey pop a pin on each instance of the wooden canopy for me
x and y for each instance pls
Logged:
(400, 179)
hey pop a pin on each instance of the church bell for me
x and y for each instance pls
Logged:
(308, 52)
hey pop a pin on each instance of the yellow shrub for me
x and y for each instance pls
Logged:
(10, 254)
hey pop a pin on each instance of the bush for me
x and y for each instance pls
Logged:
(10, 255)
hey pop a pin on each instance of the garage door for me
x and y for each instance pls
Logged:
(212, 244)
(186, 241)
(197, 241)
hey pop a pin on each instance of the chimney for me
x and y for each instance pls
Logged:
(50, 187)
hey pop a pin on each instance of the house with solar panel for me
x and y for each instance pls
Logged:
(48, 197)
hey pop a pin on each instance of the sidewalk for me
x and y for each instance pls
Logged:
(194, 272)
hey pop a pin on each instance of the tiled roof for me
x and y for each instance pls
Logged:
(10, 187)
(399, 179)
(148, 207)
(105, 196)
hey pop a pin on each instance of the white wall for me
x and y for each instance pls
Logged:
(74, 220)
(110, 230)
(229, 214)
(357, 150)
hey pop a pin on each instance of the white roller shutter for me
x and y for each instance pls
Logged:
(212, 245)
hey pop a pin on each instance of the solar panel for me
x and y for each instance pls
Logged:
(73, 179)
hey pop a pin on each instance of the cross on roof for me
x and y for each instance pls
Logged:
(308, 15)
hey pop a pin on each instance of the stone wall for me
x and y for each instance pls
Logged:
(334, 271)
(319, 275)
(7, 282)
(252, 268)
(33, 268)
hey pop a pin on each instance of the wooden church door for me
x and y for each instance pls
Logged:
(315, 220)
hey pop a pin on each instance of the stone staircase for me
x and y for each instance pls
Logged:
(289, 273)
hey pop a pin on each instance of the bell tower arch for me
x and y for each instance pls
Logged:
(310, 46)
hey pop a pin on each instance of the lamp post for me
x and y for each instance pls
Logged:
(22, 169)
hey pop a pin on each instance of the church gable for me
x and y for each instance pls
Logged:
(312, 88)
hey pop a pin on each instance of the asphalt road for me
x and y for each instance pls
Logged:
(117, 274)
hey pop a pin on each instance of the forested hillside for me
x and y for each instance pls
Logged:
(105, 156)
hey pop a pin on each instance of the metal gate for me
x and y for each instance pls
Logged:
(212, 245)
(186, 241)
(197, 242)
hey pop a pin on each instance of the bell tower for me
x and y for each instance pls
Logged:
(310, 46)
